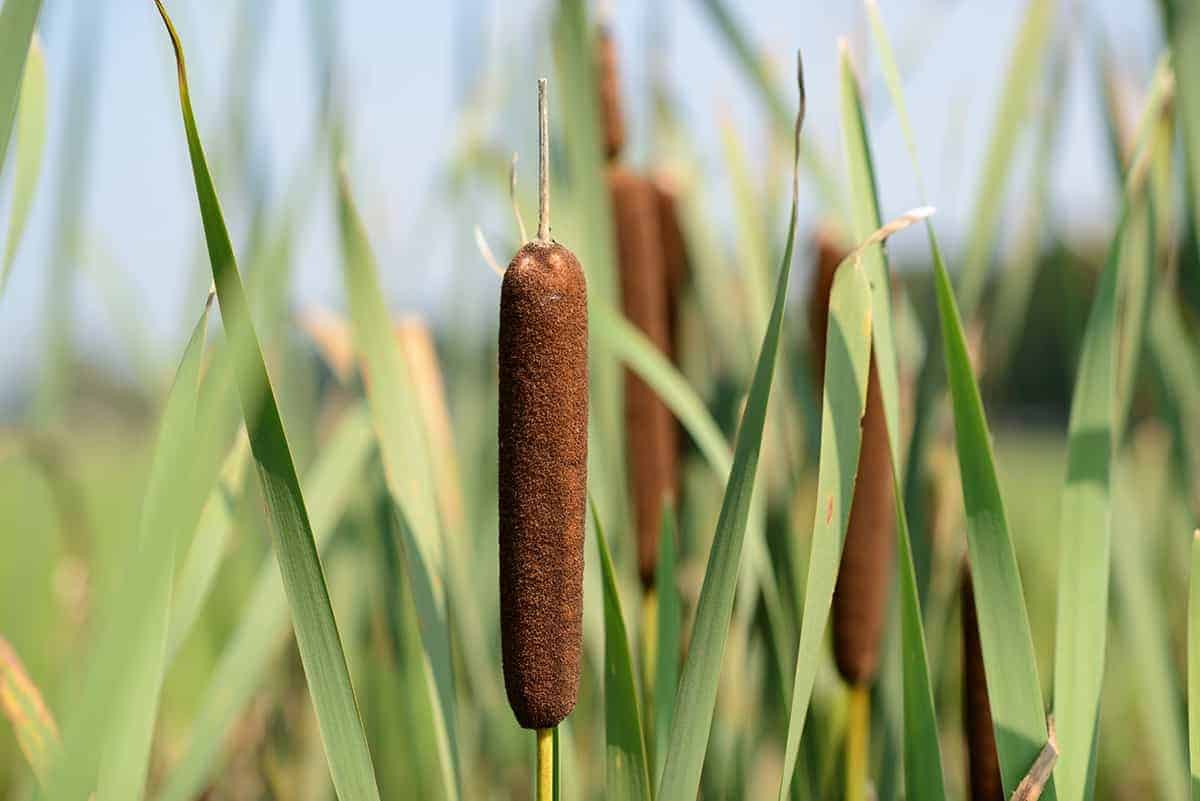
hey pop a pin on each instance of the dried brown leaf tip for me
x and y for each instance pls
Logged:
(543, 479)
(651, 435)
(868, 554)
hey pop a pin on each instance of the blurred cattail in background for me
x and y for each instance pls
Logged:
(651, 437)
(543, 427)
(868, 554)
(674, 255)
(983, 764)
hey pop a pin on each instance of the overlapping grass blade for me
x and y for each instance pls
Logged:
(1013, 685)
(1086, 510)
(922, 753)
(666, 651)
(118, 702)
(847, 357)
(31, 144)
(407, 468)
(1147, 226)
(626, 773)
(1142, 633)
(17, 21)
(697, 694)
(1014, 690)
(1183, 31)
(32, 724)
(316, 630)
(1176, 356)
(169, 511)
(259, 636)
(1025, 67)
(208, 545)
(1193, 667)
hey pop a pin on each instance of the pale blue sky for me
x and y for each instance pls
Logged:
(405, 66)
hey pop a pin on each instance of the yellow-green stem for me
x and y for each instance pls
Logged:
(858, 742)
(649, 662)
(545, 764)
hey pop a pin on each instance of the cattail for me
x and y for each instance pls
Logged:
(651, 438)
(676, 268)
(861, 591)
(983, 765)
(649, 427)
(543, 471)
(611, 118)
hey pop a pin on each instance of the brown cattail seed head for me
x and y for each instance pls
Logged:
(674, 256)
(860, 595)
(543, 480)
(649, 427)
(611, 118)
(983, 764)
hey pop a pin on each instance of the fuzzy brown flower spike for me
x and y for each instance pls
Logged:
(651, 436)
(611, 117)
(543, 476)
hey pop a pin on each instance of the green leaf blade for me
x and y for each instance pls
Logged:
(844, 400)
(626, 774)
(696, 698)
(319, 643)
(1193, 667)
(17, 21)
(923, 776)
(407, 469)
(31, 146)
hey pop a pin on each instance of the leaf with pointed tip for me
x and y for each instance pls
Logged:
(31, 144)
(844, 399)
(626, 774)
(923, 778)
(317, 635)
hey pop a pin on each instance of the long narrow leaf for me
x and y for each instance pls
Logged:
(697, 694)
(666, 670)
(403, 445)
(847, 357)
(31, 144)
(626, 774)
(1014, 690)
(166, 517)
(1193, 667)
(922, 752)
(330, 482)
(17, 20)
(208, 545)
(1013, 686)
(300, 565)
(1086, 511)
